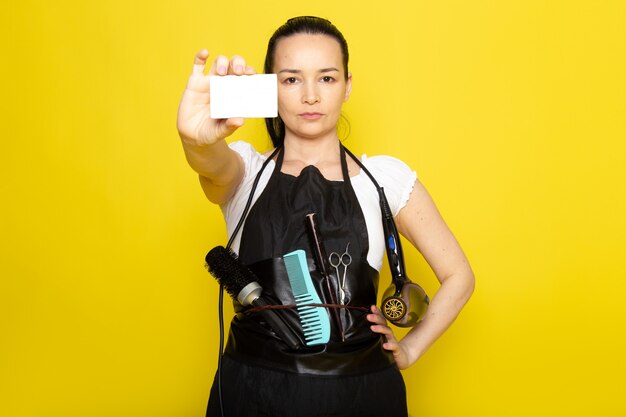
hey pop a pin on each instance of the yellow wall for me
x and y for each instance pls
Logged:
(511, 112)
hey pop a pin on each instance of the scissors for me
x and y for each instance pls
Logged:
(344, 259)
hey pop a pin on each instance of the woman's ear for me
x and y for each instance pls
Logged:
(348, 87)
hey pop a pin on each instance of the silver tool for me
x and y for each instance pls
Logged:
(344, 259)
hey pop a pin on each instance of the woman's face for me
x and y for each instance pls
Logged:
(312, 85)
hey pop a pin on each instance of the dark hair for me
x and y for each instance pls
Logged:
(310, 25)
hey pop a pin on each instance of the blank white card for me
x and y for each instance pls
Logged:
(246, 96)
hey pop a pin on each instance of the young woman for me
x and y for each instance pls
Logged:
(357, 372)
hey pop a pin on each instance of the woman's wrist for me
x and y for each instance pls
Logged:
(198, 144)
(412, 354)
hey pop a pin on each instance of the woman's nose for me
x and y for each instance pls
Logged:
(310, 95)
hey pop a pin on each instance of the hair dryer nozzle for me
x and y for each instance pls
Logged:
(405, 308)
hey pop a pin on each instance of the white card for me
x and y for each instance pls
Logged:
(244, 96)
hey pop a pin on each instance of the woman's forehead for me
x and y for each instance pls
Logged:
(305, 50)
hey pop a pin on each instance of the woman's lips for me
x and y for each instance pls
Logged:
(310, 116)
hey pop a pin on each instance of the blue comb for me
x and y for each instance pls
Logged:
(314, 320)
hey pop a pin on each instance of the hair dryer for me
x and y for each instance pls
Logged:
(404, 303)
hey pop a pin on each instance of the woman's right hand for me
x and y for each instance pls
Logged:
(194, 124)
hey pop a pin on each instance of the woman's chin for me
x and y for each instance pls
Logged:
(312, 133)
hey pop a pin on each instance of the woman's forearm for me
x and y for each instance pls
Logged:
(444, 308)
(209, 161)
(220, 168)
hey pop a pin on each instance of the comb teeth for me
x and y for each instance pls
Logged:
(314, 320)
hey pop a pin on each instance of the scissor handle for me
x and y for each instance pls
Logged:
(346, 255)
(330, 260)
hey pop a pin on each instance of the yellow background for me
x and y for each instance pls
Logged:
(511, 112)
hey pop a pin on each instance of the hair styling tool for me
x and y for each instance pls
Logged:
(404, 303)
(319, 254)
(314, 320)
(241, 284)
(344, 260)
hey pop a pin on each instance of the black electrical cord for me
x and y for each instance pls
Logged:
(221, 294)
(219, 357)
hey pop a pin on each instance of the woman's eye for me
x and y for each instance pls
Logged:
(328, 79)
(290, 80)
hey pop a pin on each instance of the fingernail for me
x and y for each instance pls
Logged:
(221, 70)
(238, 68)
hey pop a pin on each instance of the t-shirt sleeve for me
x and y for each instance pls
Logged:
(396, 177)
(252, 160)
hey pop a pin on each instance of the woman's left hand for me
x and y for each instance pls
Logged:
(400, 352)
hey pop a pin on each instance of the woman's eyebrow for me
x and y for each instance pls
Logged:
(297, 71)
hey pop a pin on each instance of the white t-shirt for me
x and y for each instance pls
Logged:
(392, 174)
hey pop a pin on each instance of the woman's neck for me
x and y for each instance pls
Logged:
(312, 151)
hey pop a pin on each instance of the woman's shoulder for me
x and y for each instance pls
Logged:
(393, 174)
(245, 149)
(251, 157)
(253, 161)
(386, 166)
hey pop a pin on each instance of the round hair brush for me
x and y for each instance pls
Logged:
(241, 284)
